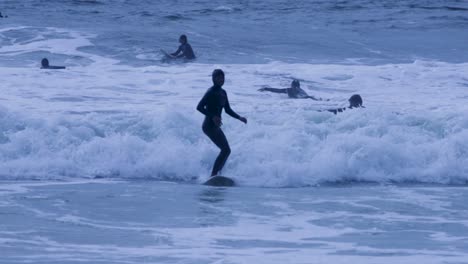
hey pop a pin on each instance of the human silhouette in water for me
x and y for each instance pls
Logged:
(294, 91)
(45, 65)
(211, 105)
(185, 50)
(355, 101)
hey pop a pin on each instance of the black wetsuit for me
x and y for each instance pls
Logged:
(296, 93)
(186, 50)
(211, 105)
(339, 110)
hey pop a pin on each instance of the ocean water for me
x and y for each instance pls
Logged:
(156, 222)
(102, 162)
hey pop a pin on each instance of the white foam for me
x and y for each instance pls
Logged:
(57, 41)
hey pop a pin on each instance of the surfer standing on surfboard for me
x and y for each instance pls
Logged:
(211, 105)
(185, 50)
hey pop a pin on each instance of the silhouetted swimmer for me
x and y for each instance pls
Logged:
(294, 91)
(211, 105)
(185, 50)
(355, 101)
(45, 65)
(2, 16)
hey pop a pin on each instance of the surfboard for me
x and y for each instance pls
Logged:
(167, 54)
(167, 57)
(220, 181)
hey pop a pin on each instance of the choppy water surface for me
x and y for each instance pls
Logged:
(130, 222)
(259, 31)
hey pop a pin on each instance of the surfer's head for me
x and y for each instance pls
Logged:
(182, 39)
(218, 77)
(355, 101)
(45, 63)
(295, 84)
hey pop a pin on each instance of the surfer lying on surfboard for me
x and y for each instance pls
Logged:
(45, 65)
(211, 105)
(294, 91)
(355, 101)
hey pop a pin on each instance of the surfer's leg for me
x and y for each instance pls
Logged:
(217, 136)
(223, 144)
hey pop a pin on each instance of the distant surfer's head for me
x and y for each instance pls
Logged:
(218, 77)
(295, 84)
(183, 39)
(355, 100)
(45, 63)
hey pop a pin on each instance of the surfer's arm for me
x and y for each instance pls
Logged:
(274, 90)
(54, 67)
(57, 67)
(229, 111)
(179, 50)
(181, 55)
(313, 98)
(201, 107)
(183, 52)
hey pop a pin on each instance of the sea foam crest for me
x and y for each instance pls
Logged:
(304, 148)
